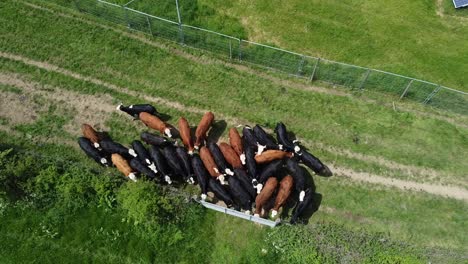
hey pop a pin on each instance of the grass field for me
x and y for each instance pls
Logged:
(424, 39)
(59, 69)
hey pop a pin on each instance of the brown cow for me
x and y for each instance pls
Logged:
(155, 123)
(91, 134)
(236, 143)
(284, 191)
(271, 155)
(230, 155)
(123, 166)
(210, 165)
(200, 132)
(184, 130)
(265, 195)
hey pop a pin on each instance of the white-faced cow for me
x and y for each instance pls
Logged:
(135, 110)
(161, 164)
(202, 175)
(87, 146)
(173, 160)
(220, 192)
(143, 155)
(300, 207)
(210, 164)
(185, 135)
(230, 155)
(299, 177)
(240, 195)
(265, 195)
(264, 141)
(315, 164)
(138, 166)
(246, 182)
(152, 139)
(184, 159)
(270, 155)
(283, 139)
(236, 143)
(90, 133)
(219, 159)
(112, 147)
(284, 190)
(268, 171)
(202, 129)
(155, 123)
(123, 166)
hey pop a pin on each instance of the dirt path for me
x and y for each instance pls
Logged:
(245, 68)
(448, 191)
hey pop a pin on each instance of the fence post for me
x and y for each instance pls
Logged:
(406, 89)
(126, 17)
(365, 80)
(240, 49)
(149, 25)
(230, 49)
(301, 64)
(313, 71)
(432, 94)
(181, 32)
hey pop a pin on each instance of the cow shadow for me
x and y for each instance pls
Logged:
(164, 117)
(217, 129)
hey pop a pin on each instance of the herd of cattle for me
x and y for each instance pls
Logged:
(247, 171)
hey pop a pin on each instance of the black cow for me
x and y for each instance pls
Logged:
(161, 164)
(220, 192)
(153, 139)
(314, 164)
(202, 175)
(141, 151)
(219, 159)
(88, 147)
(263, 140)
(283, 139)
(137, 165)
(186, 166)
(246, 182)
(248, 137)
(301, 206)
(112, 147)
(172, 159)
(250, 163)
(270, 170)
(135, 110)
(298, 175)
(240, 195)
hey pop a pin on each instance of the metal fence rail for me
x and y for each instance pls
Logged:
(303, 66)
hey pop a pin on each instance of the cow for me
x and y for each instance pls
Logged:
(186, 166)
(161, 164)
(143, 155)
(268, 171)
(265, 195)
(220, 192)
(91, 134)
(172, 159)
(202, 128)
(135, 110)
(210, 164)
(248, 137)
(219, 159)
(250, 163)
(155, 123)
(246, 182)
(270, 155)
(299, 177)
(284, 190)
(230, 155)
(123, 166)
(263, 140)
(152, 139)
(283, 139)
(112, 147)
(87, 146)
(138, 166)
(185, 135)
(236, 143)
(314, 164)
(202, 175)
(240, 195)
(301, 206)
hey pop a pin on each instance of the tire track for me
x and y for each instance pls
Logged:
(440, 190)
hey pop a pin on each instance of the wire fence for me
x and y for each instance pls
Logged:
(299, 65)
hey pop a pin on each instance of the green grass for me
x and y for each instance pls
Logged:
(405, 37)
(420, 219)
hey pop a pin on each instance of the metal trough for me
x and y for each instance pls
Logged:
(238, 214)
